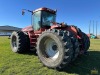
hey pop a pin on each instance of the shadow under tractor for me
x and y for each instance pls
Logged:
(56, 44)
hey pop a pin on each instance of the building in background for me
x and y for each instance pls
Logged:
(7, 30)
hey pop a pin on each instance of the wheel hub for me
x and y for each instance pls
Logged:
(51, 49)
(54, 47)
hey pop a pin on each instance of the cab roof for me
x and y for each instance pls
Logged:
(45, 9)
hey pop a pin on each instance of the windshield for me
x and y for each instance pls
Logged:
(47, 18)
(36, 20)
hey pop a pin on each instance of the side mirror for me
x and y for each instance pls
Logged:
(23, 12)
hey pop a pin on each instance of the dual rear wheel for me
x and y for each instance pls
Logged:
(55, 48)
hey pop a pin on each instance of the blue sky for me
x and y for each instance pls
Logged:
(76, 12)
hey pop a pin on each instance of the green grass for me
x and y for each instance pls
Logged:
(28, 63)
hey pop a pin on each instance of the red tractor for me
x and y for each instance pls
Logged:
(56, 44)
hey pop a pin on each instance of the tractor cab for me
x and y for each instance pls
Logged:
(43, 17)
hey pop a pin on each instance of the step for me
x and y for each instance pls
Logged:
(32, 38)
(33, 42)
(31, 46)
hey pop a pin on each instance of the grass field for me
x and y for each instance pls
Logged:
(28, 63)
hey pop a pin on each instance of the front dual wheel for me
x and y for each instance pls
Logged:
(54, 49)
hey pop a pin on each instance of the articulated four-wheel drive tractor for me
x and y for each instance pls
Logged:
(56, 44)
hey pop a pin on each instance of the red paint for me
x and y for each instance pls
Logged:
(33, 35)
(28, 28)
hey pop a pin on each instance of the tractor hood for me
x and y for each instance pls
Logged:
(28, 28)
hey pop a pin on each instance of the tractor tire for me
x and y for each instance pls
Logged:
(86, 42)
(78, 30)
(54, 49)
(75, 43)
(19, 42)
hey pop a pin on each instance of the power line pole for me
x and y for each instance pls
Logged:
(93, 27)
(96, 27)
(90, 27)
